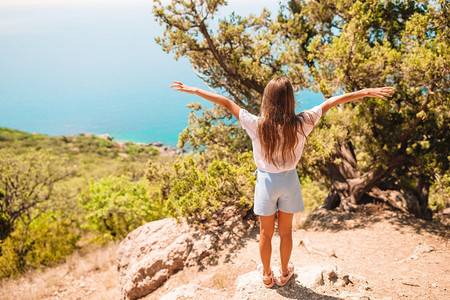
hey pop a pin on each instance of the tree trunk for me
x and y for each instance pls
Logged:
(350, 186)
(341, 167)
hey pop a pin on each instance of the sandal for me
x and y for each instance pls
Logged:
(285, 276)
(266, 278)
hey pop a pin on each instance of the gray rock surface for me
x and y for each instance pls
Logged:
(152, 252)
(305, 279)
(193, 291)
(314, 276)
(249, 286)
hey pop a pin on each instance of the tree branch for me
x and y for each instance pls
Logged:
(221, 61)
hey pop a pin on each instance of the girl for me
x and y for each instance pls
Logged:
(278, 137)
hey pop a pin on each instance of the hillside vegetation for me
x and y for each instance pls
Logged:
(58, 194)
(61, 194)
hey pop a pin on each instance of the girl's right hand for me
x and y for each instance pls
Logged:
(382, 93)
(183, 88)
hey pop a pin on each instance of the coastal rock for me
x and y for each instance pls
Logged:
(166, 149)
(105, 136)
(141, 144)
(152, 252)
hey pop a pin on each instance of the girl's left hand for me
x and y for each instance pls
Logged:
(382, 93)
(183, 88)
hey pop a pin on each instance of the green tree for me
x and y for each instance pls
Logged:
(27, 183)
(365, 150)
(36, 228)
(403, 143)
(240, 59)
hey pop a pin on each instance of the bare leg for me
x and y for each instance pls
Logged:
(285, 231)
(267, 227)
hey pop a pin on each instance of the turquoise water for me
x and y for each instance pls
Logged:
(73, 66)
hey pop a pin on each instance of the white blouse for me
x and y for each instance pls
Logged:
(250, 123)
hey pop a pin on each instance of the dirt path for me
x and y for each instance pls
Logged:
(89, 275)
(400, 257)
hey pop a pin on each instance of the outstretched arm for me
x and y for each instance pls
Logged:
(375, 92)
(213, 97)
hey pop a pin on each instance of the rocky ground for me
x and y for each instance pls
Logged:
(370, 254)
(386, 255)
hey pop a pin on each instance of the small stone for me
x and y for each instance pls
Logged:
(340, 283)
(332, 253)
(346, 216)
(434, 284)
(310, 276)
(82, 284)
(358, 278)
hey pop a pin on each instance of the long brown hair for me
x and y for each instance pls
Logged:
(279, 125)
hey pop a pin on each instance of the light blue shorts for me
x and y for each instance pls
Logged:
(277, 191)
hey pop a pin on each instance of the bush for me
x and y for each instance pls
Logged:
(40, 241)
(440, 192)
(115, 206)
(136, 150)
(40, 214)
(313, 193)
(201, 186)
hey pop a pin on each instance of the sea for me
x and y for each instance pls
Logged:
(93, 66)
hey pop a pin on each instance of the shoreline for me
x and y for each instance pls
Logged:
(160, 146)
(164, 149)
(83, 133)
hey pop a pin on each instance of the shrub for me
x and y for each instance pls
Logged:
(313, 193)
(115, 206)
(440, 192)
(40, 241)
(200, 186)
